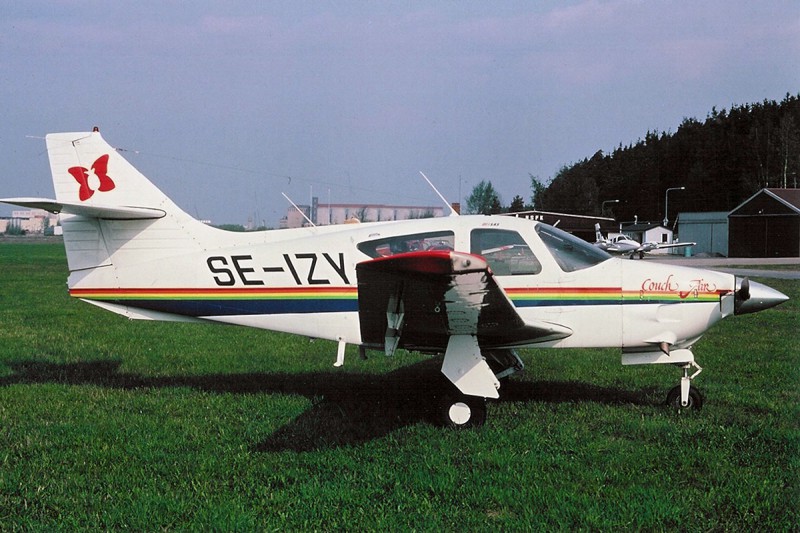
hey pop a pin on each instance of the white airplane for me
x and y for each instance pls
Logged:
(470, 288)
(622, 244)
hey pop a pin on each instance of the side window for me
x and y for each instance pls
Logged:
(506, 251)
(417, 242)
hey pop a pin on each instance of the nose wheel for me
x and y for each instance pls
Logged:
(694, 402)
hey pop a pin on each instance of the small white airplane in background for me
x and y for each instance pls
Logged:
(623, 244)
(470, 288)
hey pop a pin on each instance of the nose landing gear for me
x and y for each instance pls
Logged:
(684, 396)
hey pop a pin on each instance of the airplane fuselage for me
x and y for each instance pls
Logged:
(304, 281)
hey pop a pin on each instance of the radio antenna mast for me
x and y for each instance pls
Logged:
(298, 209)
(448, 204)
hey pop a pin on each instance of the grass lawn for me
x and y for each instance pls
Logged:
(107, 423)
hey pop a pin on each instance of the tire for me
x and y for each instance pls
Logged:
(462, 412)
(695, 399)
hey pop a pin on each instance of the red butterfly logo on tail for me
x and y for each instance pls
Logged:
(100, 169)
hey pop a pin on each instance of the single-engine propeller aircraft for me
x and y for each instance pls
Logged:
(622, 244)
(470, 288)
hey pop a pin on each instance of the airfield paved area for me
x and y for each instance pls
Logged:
(741, 266)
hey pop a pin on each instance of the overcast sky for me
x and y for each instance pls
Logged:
(227, 104)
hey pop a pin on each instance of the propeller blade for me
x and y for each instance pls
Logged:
(743, 293)
(752, 296)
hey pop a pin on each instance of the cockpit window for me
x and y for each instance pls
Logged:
(570, 252)
(417, 242)
(506, 251)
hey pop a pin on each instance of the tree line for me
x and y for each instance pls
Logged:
(720, 161)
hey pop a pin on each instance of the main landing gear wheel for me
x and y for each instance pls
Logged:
(459, 411)
(695, 399)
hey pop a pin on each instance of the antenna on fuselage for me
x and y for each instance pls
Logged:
(448, 204)
(298, 209)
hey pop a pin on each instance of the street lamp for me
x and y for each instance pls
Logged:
(603, 206)
(666, 202)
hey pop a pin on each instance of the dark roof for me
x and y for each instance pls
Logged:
(641, 227)
(567, 221)
(770, 201)
(789, 196)
(537, 213)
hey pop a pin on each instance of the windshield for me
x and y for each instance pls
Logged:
(570, 252)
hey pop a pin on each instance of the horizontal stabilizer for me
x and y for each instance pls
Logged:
(106, 212)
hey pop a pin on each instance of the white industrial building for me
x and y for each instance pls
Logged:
(31, 221)
(324, 214)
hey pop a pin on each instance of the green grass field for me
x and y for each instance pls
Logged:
(111, 424)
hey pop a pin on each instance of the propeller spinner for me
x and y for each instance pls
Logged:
(752, 296)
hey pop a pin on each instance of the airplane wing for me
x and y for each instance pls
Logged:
(675, 245)
(419, 300)
(650, 246)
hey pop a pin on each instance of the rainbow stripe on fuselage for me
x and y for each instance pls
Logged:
(226, 302)
(272, 301)
(562, 296)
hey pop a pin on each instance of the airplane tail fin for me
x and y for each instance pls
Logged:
(88, 171)
(598, 235)
(118, 226)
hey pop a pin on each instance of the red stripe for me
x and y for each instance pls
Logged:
(156, 292)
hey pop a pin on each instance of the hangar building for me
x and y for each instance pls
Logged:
(766, 225)
(709, 230)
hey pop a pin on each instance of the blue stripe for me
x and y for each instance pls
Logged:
(205, 307)
(241, 307)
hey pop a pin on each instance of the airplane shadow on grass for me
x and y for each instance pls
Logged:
(348, 409)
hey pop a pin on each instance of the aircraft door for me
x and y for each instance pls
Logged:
(506, 252)
(518, 270)
(587, 293)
